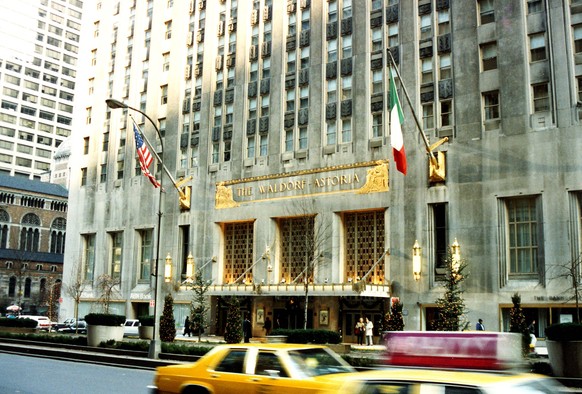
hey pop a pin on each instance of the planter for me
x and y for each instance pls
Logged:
(18, 330)
(97, 334)
(276, 338)
(565, 358)
(146, 332)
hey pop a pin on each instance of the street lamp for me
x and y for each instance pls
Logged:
(155, 344)
(416, 262)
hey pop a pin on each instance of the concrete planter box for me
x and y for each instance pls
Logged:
(98, 334)
(565, 358)
(276, 338)
(146, 332)
(18, 330)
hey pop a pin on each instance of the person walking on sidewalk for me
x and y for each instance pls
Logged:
(369, 332)
(187, 327)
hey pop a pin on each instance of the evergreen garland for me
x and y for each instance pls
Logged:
(233, 330)
(451, 307)
(167, 322)
(518, 324)
(393, 320)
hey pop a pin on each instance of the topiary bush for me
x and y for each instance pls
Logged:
(20, 323)
(564, 332)
(104, 319)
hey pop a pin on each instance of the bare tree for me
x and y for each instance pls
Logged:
(570, 271)
(106, 285)
(313, 243)
(75, 289)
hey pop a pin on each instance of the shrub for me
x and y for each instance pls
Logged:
(564, 332)
(147, 320)
(104, 319)
(309, 336)
(167, 322)
(21, 323)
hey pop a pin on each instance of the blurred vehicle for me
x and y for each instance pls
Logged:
(450, 362)
(43, 322)
(57, 326)
(267, 368)
(130, 328)
(420, 380)
(79, 327)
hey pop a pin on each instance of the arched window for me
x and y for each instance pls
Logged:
(4, 221)
(27, 286)
(30, 233)
(12, 286)
(58, 235)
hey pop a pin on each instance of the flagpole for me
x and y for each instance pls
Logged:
(426, 143)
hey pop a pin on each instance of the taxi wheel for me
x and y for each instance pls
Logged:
(195, 390)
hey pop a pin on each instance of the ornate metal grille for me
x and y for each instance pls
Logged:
(297, 244)
(238, 251)
(364, 244)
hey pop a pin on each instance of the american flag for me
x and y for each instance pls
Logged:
(144, 156)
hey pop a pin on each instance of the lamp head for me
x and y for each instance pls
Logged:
(115, 104)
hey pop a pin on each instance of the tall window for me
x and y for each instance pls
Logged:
(58, 228)
(4, 222)
(364, 246)
(377, 125)
(346, 130)
(297, 245)
(331, 133)
(489, 56)
(523, 233)
(491, 105)
(577, 30)
(116, 254)
(439, 230)
(541, 97)
(145, 253)
(486, 11)
(428, 116)
(238, 252)
(537, 46)
(30, 233)
(88, 256)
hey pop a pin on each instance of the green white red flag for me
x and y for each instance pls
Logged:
(396, 120)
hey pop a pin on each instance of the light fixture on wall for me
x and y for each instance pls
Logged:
(168, 268)
(416, 260)
(189, 267)
(456, 255)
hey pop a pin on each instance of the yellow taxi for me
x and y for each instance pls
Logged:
(438, 381)
(420, 362)
(254, 368)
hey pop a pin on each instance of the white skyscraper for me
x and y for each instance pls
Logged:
(38, 68)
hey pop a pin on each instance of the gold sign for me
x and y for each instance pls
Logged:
(361, 178)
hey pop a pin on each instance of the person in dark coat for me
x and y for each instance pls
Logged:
(267, 326)
(247, 329)
(187, 329)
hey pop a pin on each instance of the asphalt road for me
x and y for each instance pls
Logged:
(32, 375)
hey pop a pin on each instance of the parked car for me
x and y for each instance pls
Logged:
(43, 322)
(130, 328)
(79, 327)
(237, 368)
(57, 326)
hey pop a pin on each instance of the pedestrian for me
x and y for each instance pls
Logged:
(187, 330)
(532, 335)
(267, 325)
(247, 328)
(479, 326)
(360, 331)
(369, 332)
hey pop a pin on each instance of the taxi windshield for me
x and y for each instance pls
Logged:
(316, 362)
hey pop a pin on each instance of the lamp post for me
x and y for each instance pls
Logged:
(155, 344)
(416, 262)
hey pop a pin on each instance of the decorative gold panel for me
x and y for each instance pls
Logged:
(297, 243)
(238, 251)
(364, 245)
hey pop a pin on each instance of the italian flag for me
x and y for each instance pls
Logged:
(396, 120)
